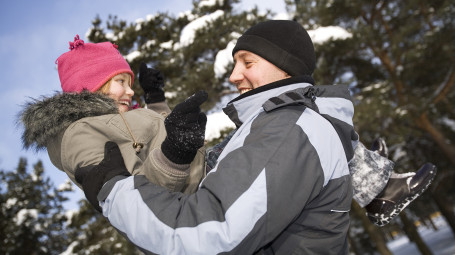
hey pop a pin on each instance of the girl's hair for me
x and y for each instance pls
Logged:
(105, 88)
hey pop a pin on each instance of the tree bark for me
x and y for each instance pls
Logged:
(444, 181)
(373, 231)
(414, 236)
(352, 245)
(449, 150)
(447, 87)
(431, 222)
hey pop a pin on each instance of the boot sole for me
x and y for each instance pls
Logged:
(384, 219)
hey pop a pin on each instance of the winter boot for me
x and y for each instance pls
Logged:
(400, 191)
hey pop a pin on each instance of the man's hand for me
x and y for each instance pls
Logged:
(185, 127)
(152, 82)
(92, 178)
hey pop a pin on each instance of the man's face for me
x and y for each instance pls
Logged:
(252, 71)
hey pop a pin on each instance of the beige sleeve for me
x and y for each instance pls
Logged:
(181, 178)
(81, 147)
(197, 172)
(161, 108)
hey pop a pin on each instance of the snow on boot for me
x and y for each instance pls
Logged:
(399, 192)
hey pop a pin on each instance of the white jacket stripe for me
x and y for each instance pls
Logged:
(327, 143)
(340, 108)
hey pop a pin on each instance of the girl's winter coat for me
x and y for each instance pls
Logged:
(74, 128)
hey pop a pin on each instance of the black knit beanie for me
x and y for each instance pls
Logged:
(284, 43)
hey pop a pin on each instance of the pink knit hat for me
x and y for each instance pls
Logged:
(90, 65)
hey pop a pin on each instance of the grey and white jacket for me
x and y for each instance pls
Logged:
(280, 186)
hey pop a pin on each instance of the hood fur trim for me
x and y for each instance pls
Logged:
(44, 119)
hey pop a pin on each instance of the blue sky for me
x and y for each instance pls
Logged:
(33, 34)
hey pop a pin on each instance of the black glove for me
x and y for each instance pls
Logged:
(152, 82)
(185, 127)
(92, 178)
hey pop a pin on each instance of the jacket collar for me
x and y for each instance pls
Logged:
(243, 106)
(44, 119)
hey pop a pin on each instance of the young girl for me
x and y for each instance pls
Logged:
(94, 108)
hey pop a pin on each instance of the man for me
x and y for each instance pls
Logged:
(281, 184)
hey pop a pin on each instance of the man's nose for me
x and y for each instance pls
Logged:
(236, 75)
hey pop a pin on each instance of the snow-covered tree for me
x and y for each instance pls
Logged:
(184, 48)
(90, 233)
(32, 218)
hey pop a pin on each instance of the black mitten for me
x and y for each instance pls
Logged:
(92, 178)
(185, 127)
(152, 82)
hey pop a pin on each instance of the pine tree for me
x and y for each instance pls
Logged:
(399, 62)
(91, 233)
(32, 217)
(188, 66)
(400, 66)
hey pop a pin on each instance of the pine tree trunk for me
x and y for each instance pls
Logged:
(446, 210)
(353, 249)
(373, 231)
(449, 150)
(411, 231)
(431, 222)
(444, 181)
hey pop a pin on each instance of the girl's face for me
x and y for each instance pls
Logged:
(120, 90)
(252, 71)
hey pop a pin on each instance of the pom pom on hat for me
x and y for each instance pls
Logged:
(284, 43)
(88, 66)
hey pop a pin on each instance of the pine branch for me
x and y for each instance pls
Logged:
(445, 87)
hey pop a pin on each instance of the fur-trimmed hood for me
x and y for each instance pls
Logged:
(43, 119)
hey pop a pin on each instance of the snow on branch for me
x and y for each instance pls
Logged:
(324, 34)
(189, 31)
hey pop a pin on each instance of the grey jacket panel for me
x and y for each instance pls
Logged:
(274, 181)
